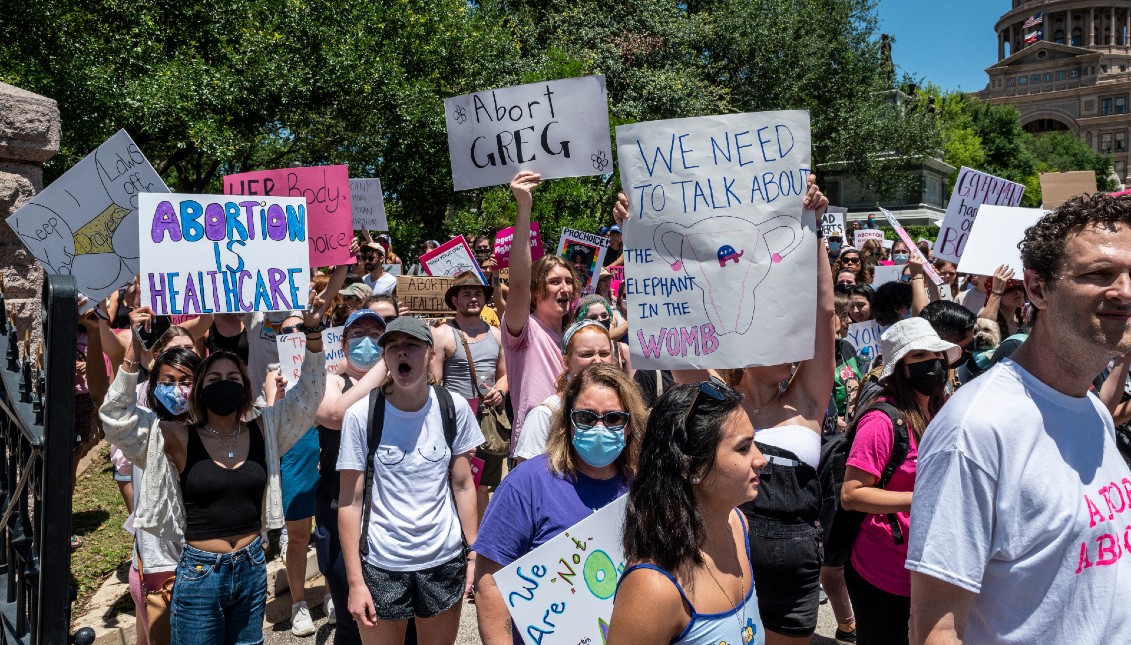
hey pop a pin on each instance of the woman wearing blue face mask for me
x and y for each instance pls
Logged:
(589, 462)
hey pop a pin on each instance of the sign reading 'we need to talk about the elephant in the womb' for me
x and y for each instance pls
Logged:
(720, 258)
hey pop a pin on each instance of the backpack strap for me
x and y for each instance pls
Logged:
(899, 449)
(448, 417)
(373, 439)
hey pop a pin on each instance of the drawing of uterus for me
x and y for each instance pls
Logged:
(728, 257)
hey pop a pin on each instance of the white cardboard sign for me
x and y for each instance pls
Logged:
(85, 223)
(865, 338)
(555, 128)
(292, 352)
(865, 234)
(562, 592)
(884, 273)
(451, 259)
(832, 222)
(971, 190)
(591, 246)
(994, 237)
(368, 205)
(720, 259)
(205, 254)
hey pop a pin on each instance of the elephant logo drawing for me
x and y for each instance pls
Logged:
(693, 249)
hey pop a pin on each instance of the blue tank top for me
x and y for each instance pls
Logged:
(721, 628)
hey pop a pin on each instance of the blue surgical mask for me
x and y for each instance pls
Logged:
(363, 352)
(900, 258)
(598, 446)
(834, 247)
(173, 397)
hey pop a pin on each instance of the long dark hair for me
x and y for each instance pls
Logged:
(662, 523)
(178, 357)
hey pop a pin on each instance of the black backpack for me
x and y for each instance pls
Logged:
(840, 525)
(376, 427)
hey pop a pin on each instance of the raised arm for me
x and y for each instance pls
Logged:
(989, 311)
(97, 380)
(1112, 391)
(293, 416)
(127, 425)
(517, 312)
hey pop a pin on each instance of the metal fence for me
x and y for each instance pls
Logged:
(37, 439)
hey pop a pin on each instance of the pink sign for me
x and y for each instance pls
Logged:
(328, 208)
(503, 245)
(928, 269)
(450, 259)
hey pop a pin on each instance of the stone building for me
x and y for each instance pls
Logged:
(1064, 64)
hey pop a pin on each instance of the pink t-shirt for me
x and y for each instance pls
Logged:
(875, 555)
(534, 361)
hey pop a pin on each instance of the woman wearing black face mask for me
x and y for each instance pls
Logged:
(212, 482)
(913, 381)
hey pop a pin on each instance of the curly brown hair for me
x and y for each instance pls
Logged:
(1042, 249)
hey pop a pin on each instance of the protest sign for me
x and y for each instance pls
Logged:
(865, 338)
(424, 294)
(1059, 187)
(887, 244)
(85, 223)
(993, 240)
(562, 592)
(368, 205)
(863, 235)
(203, 254)
(832, 223)
(883, 273)
(451, 258)
(292, 351)
(616, 282)
(720, 260)
(327, 193)
(502, 253)
(586, 252)
(928, 269)
(930, 244)
(971, 190)
(556, 128)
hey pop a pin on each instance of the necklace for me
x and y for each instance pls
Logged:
(221, 438)
(742, 587)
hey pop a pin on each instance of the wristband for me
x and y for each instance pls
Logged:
(997, 293)
(312, 330)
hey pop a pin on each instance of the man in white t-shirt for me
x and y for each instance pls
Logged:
(382, 282)
(1021, 517)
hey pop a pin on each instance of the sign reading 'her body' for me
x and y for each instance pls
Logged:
(203, 254)
(971, 190)
(556, 128)
(326, 190)
(720, 259)
(85, 223)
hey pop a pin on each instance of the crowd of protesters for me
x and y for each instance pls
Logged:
(982, 462)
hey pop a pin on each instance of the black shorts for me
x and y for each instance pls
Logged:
(492, 469)
(400, 595)
(787, 575)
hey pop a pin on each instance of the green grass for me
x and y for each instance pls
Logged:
(98, 515)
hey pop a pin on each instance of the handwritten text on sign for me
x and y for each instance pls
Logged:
(503, 239)
(832, 222)
(368, 204)
(720, 260)
(972, 189)
(562, 592)
(557, 128)
(203, 254)
(451, 259)
(865, 338)
(913, 248)
(326, 190)
(292, 352)
(85, 223)
(423, 294)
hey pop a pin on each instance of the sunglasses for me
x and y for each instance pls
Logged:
(714, 388)
(292, 329)
(848, 260)
(586, 419)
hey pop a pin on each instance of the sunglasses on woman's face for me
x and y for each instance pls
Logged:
(850, 260)
(614, 420)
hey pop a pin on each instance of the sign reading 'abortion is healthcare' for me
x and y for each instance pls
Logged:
(203, 254)
(720, 259)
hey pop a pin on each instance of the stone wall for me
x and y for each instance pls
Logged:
(29, 136)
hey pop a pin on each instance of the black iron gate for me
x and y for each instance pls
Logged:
(37, 438)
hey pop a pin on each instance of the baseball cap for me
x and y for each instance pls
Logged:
(362, 314)
(358, 290)
(409, 326)
(614, 229)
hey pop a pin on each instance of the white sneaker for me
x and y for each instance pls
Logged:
(301, 624)
(328, 605)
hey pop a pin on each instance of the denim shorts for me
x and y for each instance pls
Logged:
(400, 595)
(220, 597)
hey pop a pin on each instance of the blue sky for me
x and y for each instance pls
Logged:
(948, 43)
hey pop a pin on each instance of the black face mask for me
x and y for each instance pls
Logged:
(927, 377)
(223, 397)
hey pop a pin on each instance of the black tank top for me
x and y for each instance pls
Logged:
(789, 492)
(122, 314)
(329, 444)
(220, 502)
(234, 344)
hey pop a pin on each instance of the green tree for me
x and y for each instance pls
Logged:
(1062, 152)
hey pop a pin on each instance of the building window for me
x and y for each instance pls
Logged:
(1077, 37)
(1120, 167)
(1048, 77)
(1121, 105)
(1120, 141)
(1012, 82)
(1105, 143)
(1105, 107)
(1073, 73)
(1060, 75)
(1058, 37)
(1103, 69)
(1024, 80)
(1035, 78)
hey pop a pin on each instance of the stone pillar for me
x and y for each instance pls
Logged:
(1000, 45)
(1091, 27)
(29, 136)
(1068, 27)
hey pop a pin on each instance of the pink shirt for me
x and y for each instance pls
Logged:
(875, 555)
(534, 361)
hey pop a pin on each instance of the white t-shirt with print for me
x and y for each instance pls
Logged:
(413, 523)
(382, 286)
(1021, 496)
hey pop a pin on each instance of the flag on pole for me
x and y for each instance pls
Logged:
(1033, 37)
(1033, 20)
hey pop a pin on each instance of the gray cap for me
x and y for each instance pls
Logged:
(409, 326)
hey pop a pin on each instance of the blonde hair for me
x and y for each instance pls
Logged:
(562, 458)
